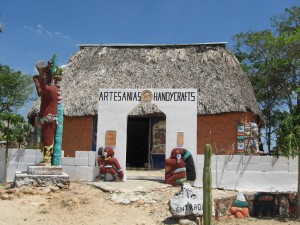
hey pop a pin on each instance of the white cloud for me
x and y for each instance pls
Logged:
(40, 26)
(40, 29)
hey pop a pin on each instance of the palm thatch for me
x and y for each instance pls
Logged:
(211, 68)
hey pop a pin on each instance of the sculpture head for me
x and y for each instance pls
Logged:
(45, 71)
(108, 152)
(177, 154)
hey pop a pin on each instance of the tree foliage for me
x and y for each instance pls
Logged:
(13, 129)
(15, 89)
(272, 59)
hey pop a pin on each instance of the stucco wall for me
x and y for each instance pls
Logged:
(234, 172)
(218, 130)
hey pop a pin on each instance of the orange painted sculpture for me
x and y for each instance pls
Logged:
(179, 167)
(48, 109)
(110, 168)
(240, 207)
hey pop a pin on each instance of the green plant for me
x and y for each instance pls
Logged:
(207, 184)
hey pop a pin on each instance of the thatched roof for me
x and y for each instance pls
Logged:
(211, 68)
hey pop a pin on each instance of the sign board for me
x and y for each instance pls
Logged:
(111, 138)
(189, 201)
(180, 139)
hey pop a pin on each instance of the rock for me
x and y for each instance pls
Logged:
(6, 196)
(188, 201)
(186, 222)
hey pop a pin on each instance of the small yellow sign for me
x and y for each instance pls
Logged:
(180, 139)
(111, 138)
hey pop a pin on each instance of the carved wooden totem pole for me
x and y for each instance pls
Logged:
(51, 112)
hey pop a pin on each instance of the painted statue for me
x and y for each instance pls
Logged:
(110, 168)
(180, 167)
(240, 207)
(48, 88)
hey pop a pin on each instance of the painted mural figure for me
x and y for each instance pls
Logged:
(180, 167)
(48, 115)
(110, 168)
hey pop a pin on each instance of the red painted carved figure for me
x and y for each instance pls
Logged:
(48, 108)
(175, 168)
(110, 168)
(180, 167)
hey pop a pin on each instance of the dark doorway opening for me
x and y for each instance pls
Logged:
(137, 142)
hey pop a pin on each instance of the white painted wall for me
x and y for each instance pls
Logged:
(259, 173)
(234, 172)
(180, 116)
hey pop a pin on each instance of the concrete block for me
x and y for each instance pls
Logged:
(68, 161)
(265, 167)
(79, 172)
(250, 159)
(234, 167)
(33, 152)
(280, 160)
(82, 154)
(44, 170)
(281, 167)
(233, 159)
(293, 161)
(92, 158)
(81, 161)
(29, 159)
(293, 168)
(266, 159)
(23, 179)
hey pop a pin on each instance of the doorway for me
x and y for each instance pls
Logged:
(137, 142)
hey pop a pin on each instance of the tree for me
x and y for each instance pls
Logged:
(272, 59)
(14, 129)
(15, 89)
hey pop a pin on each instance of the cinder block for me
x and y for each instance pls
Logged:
(234, 167)
(68, 161)
(92, 158)
(293, 168)
(281, 167)
(293, 161)
(266, 159)
(81, 161)
(33, 152)
(250, 159)
(265, 167)
(79, 172)
(280, 160)
(82, 154)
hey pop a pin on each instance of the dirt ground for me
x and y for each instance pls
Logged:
(82, 203)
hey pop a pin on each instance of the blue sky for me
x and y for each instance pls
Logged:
(36, 29)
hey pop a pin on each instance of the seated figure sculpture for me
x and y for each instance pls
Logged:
(110, 169)
(240, 207)
(179, 167)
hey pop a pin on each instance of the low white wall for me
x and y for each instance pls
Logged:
(82, 167)
(259, 173)
(235, 172)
